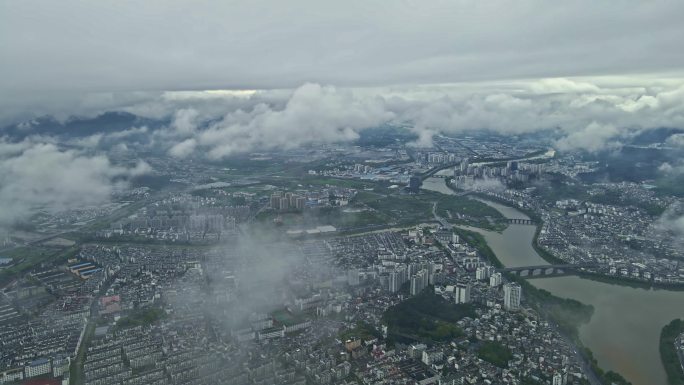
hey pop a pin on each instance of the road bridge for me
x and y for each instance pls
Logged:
(520, 221)
(539, 271)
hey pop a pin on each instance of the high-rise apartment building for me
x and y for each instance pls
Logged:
(512, 296)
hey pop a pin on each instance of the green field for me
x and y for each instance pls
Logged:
(334, 216)
(403, 209)
(366, 209)
(387, 207)
(472, 212)
(339, 182)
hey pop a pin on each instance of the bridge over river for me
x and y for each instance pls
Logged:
(521, 221)
(539, 271)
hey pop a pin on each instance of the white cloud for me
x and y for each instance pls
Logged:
(35, 174)
(672, 222)
(91, 141)
(183, 149)
(665, 168)
(672, 168)
(587, 116)
(133, 131)
(594, 137)
(562, 85)
(140, 168)
(185, 121)
(587, 113)
(676, 140)
(312, 114)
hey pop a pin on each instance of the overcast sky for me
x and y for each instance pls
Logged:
(594, 71)
(178, 45)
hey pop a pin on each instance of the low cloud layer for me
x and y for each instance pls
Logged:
(581, 114)
(588, 114)
(36, 174)
(592, 138)
(676, 140)
(672, 223)
(312, 114)
(674, 168)
(591, 114)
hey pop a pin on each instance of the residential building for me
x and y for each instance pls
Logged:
(512, 296)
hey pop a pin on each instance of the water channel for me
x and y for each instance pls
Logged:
(623, 332)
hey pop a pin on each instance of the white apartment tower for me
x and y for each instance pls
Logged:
(419, 282)
(495, 280)
(462, 293)
(512, 295)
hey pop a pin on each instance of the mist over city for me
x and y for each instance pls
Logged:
(308, 192)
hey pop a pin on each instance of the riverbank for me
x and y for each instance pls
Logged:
(552, 259)
(624, 329)
(668, 353)
(566, 313)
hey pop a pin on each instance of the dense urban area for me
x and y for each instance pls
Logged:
(336, 264)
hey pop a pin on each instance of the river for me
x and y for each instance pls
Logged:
(625, 329)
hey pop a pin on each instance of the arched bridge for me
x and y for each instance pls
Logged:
(546, 270)
(520, 221)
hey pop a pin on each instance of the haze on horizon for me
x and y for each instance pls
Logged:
(182, 181)
(71, 55)
(226, 78)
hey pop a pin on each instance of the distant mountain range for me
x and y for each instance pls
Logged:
(116, 121)
(76, 127)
